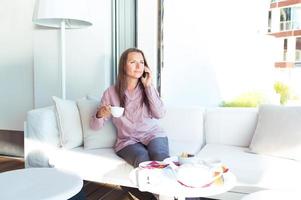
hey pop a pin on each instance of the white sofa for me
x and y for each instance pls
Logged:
(223, 133)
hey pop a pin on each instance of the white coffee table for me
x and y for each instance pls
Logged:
(39, 184)
(170, 187)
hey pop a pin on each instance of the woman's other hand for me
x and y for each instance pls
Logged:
(104, 112)
(147, 80)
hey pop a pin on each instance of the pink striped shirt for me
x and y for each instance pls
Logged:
(137, 123)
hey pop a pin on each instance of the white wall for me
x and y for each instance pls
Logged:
(215, 50)
(88, 57)
(29, 65)
(16, 61)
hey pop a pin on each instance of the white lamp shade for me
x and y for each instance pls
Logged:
(51, 13)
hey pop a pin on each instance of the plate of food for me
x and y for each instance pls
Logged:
(153, 165)
(194, 172)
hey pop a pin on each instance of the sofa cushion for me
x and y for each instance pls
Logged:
(254, 171)
(98, 165)
(278, 132)
(184, 128)
(103, 138)
(69, 123)
(231, 126)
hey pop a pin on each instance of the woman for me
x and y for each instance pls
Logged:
(139, 137)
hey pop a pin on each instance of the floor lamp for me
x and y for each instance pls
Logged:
(63, 14)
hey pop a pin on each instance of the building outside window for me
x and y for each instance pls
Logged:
(287, 30)
(298, 49)
(296, 18)
(285, 19)
(285, 49)
(270, 22)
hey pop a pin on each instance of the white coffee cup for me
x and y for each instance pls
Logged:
(190, 158)
(117, 111)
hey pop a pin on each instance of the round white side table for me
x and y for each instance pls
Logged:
(169, 187)
(39, 184)
(273, 194)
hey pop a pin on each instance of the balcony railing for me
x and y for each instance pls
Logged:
(289, 25)
(286, 25)
(298, 56)
(285, 54)
(297, 25)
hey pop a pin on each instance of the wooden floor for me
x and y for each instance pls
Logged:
(97, 191)
(8, 163)
(92, 191)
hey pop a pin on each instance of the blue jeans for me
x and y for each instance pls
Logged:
(157, 149)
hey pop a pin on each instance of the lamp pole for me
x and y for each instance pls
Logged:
(63, 59)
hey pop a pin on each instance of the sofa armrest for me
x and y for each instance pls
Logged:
(41, 136)
(36, 152)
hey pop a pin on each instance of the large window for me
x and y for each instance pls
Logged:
(214, 62)
(218, 60)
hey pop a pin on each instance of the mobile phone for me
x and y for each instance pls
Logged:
(144, 74)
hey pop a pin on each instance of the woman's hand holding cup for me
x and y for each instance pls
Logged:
(104, 111)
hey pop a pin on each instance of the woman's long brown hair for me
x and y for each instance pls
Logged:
(121, 84)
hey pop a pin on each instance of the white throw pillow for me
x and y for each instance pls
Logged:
(278, 132)
(69, 123)
(93, 139)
